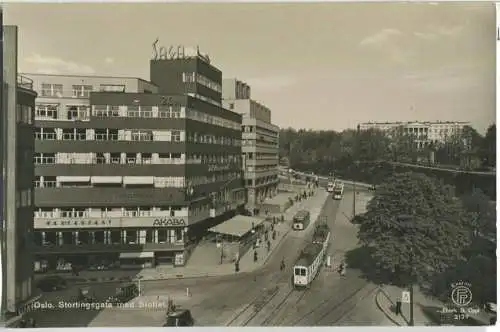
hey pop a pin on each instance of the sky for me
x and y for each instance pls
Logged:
(315, 65)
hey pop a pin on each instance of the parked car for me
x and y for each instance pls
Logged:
(50, 284)
(181, 317)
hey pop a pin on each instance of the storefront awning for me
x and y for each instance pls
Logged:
(73, 178)
(125, 255)
(106, 179)
(138, 180)
(237, 226)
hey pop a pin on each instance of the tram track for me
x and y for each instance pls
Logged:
(328, 307)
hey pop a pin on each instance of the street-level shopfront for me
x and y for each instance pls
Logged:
(110, 242)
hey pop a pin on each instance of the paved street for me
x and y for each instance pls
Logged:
(204, 294)
(332, 298)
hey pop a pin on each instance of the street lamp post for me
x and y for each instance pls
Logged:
(411, 322)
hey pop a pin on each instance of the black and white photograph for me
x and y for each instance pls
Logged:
(248, 164)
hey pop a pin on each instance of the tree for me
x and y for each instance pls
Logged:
(479, 268)
(414, 228)
(488, 148)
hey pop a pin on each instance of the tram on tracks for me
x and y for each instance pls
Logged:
(311, 258)
(301, 220)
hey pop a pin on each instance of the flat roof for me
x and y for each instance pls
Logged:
(89, 76)
(237, 226)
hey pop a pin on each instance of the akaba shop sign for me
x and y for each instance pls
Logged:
(164, 222)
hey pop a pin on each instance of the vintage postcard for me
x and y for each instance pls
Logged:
(258, 164)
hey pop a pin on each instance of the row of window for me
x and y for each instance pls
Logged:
(202, 80)
(259, 130)
(77, 90)
(138, 135)
(82, 112)
(262, 168)
(135, 158)
(130, 181)
(102, 212)
(126, 236)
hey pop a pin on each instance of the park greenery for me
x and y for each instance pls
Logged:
(324, 150)
(417, 232)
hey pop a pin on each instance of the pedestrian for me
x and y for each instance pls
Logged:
(282, 218)
(398, 307)
(255, 257)
(282, 265)
(274, 235)
(268, 246)
(342, 269)
(237, 266)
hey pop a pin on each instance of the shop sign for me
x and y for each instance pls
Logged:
(79, 223)
(216, 168)
(163, 222)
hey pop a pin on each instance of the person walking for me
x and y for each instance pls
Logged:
(255, 257)
(398, 306)
(282, 265)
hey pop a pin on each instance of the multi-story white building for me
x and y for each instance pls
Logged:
(423, 132)
(128, 170)
(260, 142)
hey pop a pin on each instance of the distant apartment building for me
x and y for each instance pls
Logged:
(132, 171)
(422, 132)
(260, 142)
(16, 207)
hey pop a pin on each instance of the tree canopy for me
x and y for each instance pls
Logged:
(415, 228)
(323, 150)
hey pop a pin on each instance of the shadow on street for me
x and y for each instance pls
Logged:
(361, 258)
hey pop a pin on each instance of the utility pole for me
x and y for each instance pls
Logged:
(411, 322)
(354, 199)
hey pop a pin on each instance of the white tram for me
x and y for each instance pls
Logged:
(338, 190)
(311, 258)
(329, 187)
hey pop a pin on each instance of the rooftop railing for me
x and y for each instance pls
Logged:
(24, 82)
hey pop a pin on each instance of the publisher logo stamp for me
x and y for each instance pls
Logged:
(461, 295)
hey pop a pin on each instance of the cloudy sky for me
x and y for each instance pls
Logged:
(321, 66)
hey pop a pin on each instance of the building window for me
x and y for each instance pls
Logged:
(140, 135)
(146, 112)
(45, 158)
(45, 133)
(100, 159)
(81, 91)
(78, 112)
(52, 90)
(112, 88)
(133, 111)
(106, 134)
(73, 213)
(146, 158)
(188, 77)
(171, 111)
(176, 136)
(46, 111)
(103, 111)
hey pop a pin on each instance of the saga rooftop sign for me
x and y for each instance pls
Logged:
(174, 52)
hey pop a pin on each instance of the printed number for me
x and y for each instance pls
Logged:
(459, 316)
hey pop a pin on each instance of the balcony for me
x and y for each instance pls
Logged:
(24, 82)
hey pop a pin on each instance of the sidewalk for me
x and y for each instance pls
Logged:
(426, 310)
(169, 272)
